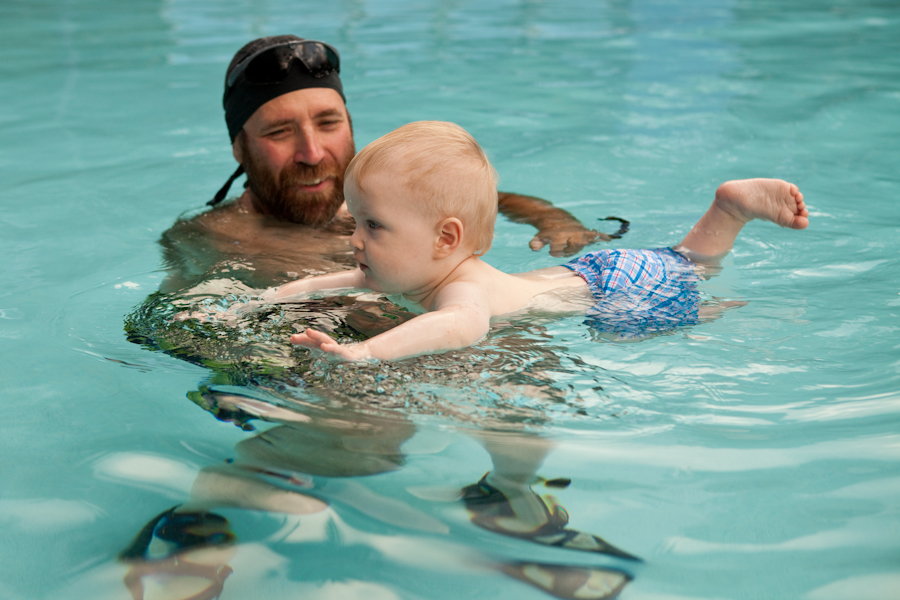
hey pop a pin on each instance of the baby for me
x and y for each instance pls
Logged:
(424, 198)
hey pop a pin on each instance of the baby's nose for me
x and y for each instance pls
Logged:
(356, 239)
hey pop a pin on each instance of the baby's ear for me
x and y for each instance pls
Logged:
(449, 237)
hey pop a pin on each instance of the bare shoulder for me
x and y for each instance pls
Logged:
(265, 250)
(237, 223)
(464, 291)
(226, 219)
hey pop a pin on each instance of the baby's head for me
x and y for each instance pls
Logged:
(443, 168)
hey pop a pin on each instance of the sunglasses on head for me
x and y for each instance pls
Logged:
(273, 64)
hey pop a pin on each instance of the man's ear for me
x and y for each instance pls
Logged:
(449, 237)
(237, 149)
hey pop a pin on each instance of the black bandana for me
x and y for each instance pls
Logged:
(243, 98)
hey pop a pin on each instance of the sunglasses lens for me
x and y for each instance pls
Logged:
(273, 65)
(318, 58)
(269, 67)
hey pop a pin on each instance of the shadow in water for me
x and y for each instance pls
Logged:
(310, 463)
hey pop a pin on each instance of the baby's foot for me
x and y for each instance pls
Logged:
(768, 199)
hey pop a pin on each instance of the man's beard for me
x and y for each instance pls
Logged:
(280, 194)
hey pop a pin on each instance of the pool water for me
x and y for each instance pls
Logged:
(756, 455)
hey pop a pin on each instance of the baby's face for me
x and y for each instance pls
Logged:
(393, 241)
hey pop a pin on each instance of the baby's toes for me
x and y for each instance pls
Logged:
(799, 220)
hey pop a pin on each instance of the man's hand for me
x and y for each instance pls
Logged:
(566, 241)
(565, 234)
(316, 340)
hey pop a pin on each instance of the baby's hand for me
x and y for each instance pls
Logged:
(316, 340)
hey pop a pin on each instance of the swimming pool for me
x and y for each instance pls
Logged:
(755, 456)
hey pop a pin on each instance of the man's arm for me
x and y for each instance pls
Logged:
(565, 234)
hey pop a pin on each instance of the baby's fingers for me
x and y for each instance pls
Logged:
(311, 339)
(301, 339)
(319, 336)
(316, 340)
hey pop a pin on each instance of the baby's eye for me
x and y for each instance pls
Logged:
(372, 224)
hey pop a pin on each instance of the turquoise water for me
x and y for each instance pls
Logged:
(755, 456)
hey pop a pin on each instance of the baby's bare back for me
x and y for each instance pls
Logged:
(556, 290)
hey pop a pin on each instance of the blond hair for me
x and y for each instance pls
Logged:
(442, 166)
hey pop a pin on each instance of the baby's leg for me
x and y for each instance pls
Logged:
(736, 204)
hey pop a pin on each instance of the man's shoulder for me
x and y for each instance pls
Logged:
(226, 218)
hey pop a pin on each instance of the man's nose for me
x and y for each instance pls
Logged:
(309, 149)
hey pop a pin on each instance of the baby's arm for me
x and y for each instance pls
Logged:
(332, 281)
(460, 318)
(344, 279)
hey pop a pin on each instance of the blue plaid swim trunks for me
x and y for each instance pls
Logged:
(639, 292)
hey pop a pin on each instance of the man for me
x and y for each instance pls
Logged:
(293, 137)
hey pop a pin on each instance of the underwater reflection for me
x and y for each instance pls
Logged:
(325, 427)
(312, 461)
(515, 376)
(504, 500)
(184, 553)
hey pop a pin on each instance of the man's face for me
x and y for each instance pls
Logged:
(295, 150)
